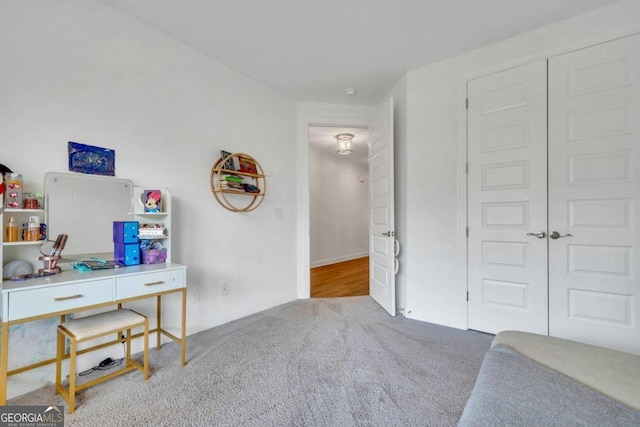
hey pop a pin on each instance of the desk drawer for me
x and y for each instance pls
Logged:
(35, 302)
(149, 283)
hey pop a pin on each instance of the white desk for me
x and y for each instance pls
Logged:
(73, 291)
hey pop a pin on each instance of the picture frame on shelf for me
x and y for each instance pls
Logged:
(228, 164)
(152, 200)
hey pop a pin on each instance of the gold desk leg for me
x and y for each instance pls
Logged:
(159, 325)
(4, 363)
(183, 342)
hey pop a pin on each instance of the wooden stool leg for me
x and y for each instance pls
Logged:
(128, 357)
(146, 349)
(72, 376)
(59, 356)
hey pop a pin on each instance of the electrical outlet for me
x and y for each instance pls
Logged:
(194, 295)
(225, 289)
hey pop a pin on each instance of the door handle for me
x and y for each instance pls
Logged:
(388, 234)
(555, 235)
(539, 235)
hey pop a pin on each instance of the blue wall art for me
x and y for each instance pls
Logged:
(91, 160)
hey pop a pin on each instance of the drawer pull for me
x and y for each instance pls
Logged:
(66, 298)
(159, 282)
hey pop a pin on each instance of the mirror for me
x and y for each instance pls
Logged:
(84, 207)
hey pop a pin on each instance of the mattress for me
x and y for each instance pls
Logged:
(614, 373)
(515, 390)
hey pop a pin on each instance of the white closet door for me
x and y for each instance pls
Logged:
(507, 200)
(594, 152)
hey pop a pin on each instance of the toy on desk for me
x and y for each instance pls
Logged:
(94, 263)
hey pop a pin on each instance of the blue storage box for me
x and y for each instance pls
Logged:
(126, 246)
(128, 254)
(125, 232)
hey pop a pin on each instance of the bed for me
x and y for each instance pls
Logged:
(535, 380)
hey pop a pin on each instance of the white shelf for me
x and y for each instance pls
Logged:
(15, 210)
(163, 217)
(27, 250)
(24, 243)
(152, 214)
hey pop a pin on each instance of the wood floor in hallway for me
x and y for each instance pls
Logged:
(343, 279)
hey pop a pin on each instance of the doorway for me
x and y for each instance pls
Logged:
(338, 212)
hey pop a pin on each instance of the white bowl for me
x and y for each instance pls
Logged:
(16, 267)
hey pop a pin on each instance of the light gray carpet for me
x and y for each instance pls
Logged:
(318, 362)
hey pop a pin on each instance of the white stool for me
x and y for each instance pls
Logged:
(91, 327)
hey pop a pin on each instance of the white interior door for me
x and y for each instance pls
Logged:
(507, 200)
(382, 283)
(594, 155)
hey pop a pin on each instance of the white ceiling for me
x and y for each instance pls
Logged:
(312, 51)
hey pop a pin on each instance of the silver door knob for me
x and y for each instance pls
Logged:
(539, 235)
(388, 234)
(555, 235)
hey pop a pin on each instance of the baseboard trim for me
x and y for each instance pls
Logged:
(336, 260)
(240, 313)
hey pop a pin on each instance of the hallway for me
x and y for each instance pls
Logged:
(343, 279)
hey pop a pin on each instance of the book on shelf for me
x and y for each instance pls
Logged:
(232, 178)
(250, 188)
(231, 185)
(153, 225)
(149, 234)
(146, 231)
(247, 165)
(236, 186)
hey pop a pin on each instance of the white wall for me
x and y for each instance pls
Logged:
(339, 210)
(435, 261)
(78, 70)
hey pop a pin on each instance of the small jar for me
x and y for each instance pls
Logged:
(32, 232)
(11, 231)
(30, 203)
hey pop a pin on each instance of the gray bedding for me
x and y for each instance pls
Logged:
(513, 390)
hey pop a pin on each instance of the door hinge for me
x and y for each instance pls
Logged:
(466, 168)
(467, 295)
(467, 232)
(467, 104)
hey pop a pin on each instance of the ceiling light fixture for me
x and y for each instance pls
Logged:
(344, 143)
(351, 91)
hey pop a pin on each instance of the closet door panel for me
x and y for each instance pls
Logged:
(594, 153)
(507, 199)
